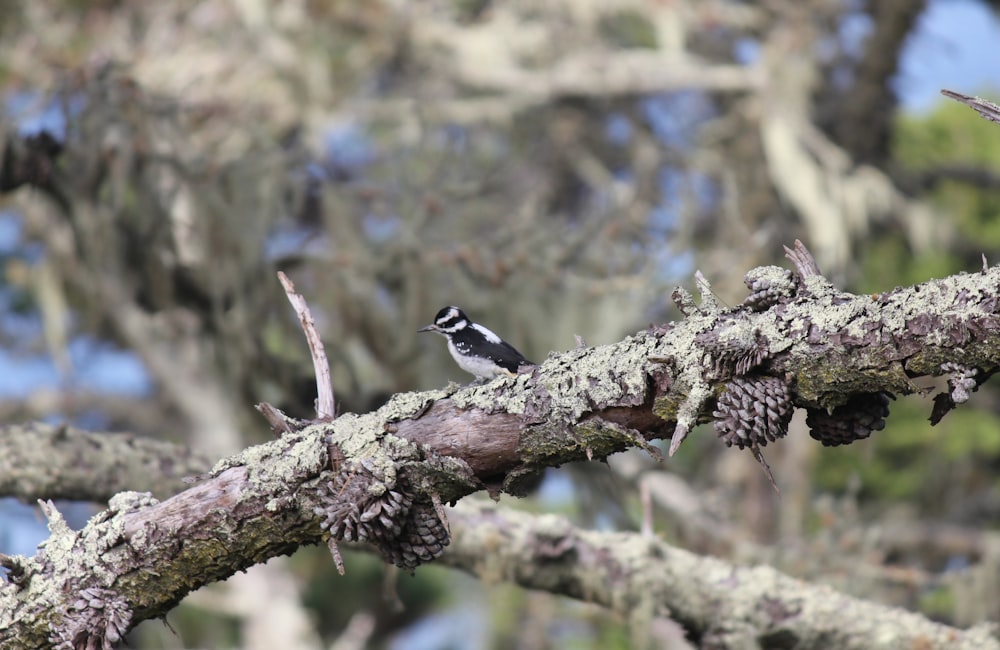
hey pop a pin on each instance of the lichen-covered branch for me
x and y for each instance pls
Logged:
(381, 477)
(720, 605)
(44, 461)
(149, 554)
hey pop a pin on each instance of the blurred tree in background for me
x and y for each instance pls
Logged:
(554, 168)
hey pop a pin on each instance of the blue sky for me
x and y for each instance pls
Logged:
(956, 46)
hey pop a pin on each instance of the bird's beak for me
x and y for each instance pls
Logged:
(430, 328)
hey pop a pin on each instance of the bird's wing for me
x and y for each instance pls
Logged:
(506, 356)
(497, 350)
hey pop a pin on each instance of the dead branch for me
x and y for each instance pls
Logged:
(326, 407)
(987, 109)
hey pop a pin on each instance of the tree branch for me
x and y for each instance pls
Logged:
(719, 605)
(325, 404)
(381, 477)
(60, 462)
(987, 109)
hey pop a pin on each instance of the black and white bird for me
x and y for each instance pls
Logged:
(476, 349)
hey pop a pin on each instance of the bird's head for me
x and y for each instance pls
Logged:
(448, 321)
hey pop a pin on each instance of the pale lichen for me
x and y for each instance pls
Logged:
(402, 406)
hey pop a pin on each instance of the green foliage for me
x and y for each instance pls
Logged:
(951, 133)
(911, 460)
(887, 262)
(935, 151)
(970, 432)
(954, 138)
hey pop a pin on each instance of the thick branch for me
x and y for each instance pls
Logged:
(381, 477)
(43, 461)
(719, 605)
(146, 555)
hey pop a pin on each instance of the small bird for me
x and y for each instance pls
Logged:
(475, 348)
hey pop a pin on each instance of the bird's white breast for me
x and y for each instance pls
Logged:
(475, 365)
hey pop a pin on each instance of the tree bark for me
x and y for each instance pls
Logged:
(719, 605)
(382, 477)
(43, 461)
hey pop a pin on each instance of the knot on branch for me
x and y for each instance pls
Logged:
(752, 411)
(552, 547)
(364, 504)
(97, 620)
(854, 420)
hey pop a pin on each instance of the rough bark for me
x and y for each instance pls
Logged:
(62, 462)
(381, 477)
(719, 605)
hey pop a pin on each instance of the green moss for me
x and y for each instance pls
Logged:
(666, 406)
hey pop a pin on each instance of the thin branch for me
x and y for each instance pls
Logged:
(280, 424)
(326, 408)
(987, 109)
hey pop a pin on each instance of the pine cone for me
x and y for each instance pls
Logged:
(98, 619)
(359, 507)
(769, 285)
(734, 356)
(424, 538)
(753, 411)
(855, 420)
